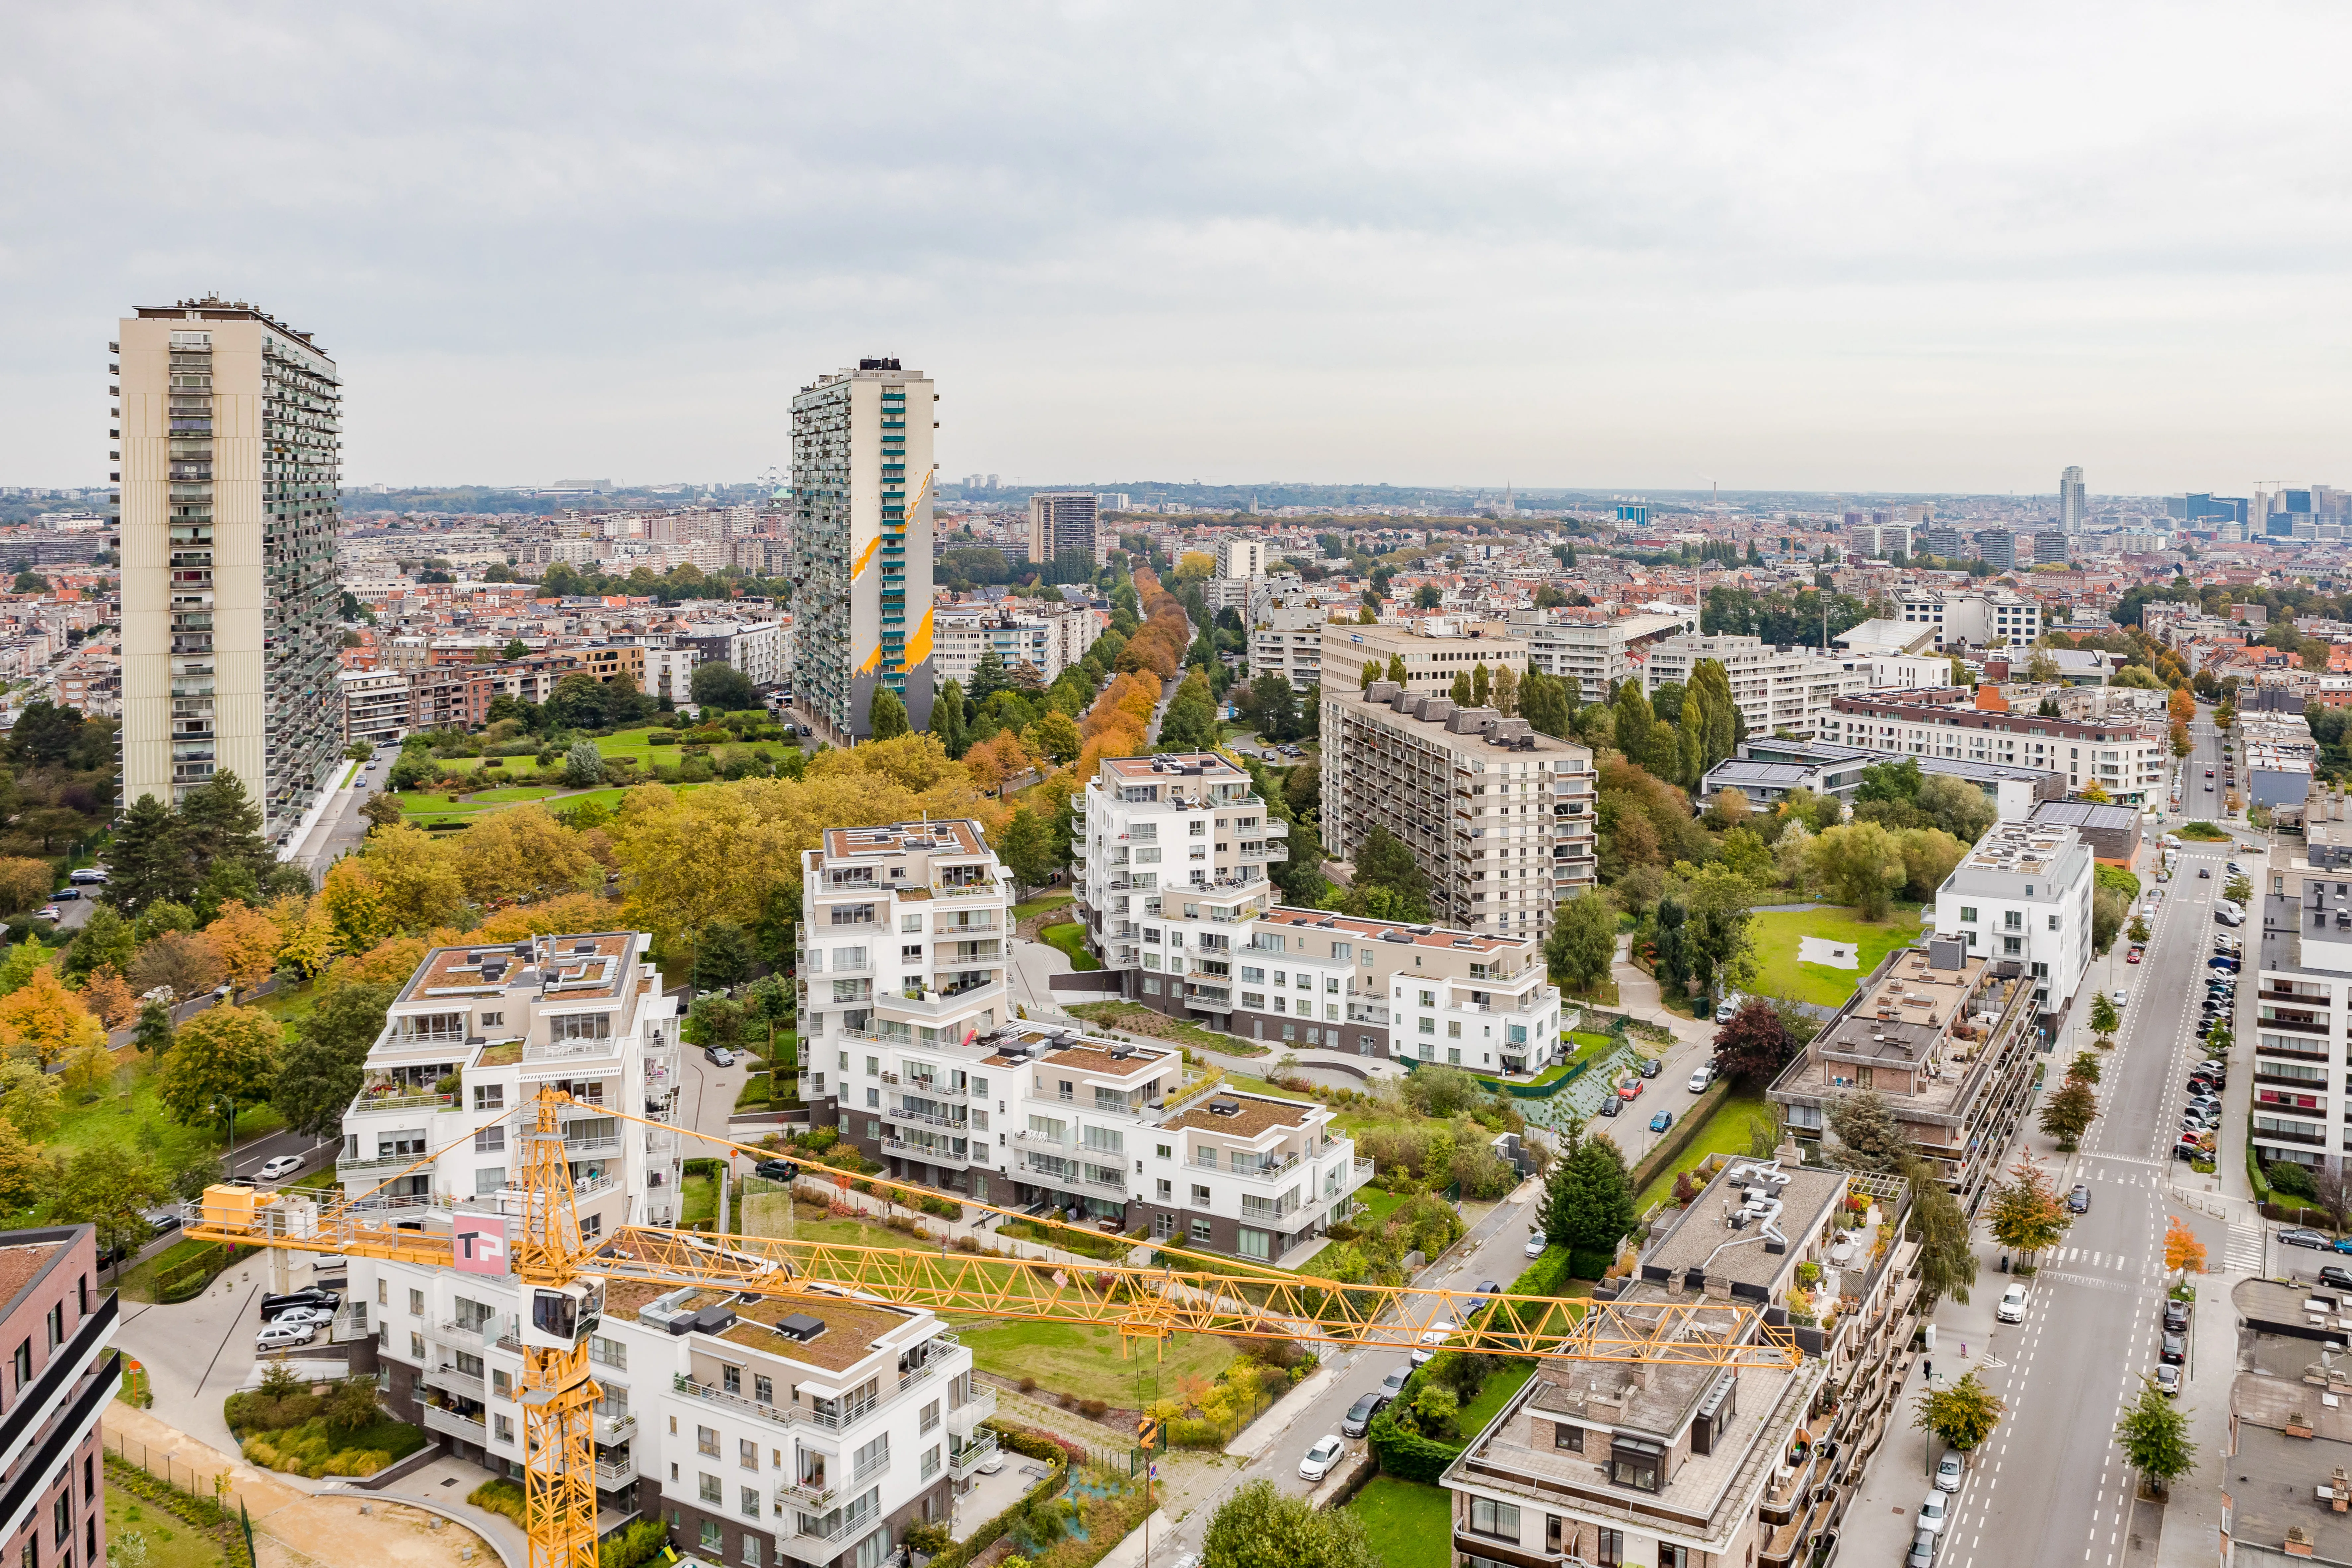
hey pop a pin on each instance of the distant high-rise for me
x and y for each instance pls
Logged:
(2071, 507)
(862, 472)
(229, 427)
(1061, 520)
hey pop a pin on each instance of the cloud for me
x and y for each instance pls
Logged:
(1797, 246)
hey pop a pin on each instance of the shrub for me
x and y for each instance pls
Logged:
(1028, 1385)
(506, 1497)
(1407, 1455)
(1092, 1409)
(638, 1543)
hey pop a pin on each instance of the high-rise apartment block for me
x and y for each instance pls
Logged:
(229, 426)
(2023, 892)
(1778, 690)
(58, 1322)
(1062, 523)
(1181, 840)
(2074, 504)
(1498, 817)
(862, 474)
(1240, 557)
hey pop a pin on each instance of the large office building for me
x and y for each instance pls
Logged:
(1500, 817)
(2074, 504)
(228, 440)
(1777, 690)
(862, 475)
(1596, 653)
(1062, 523)
(1979, 616)
(1433, 654)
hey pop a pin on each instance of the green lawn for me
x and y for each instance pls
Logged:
(1084, 1359)
(1410, 1523)
(1379, 1204)
(1040, 905)
(1496, 1392)
(170, 1540)
(1779, 975)
(129, 1102)
(1726, 1132)
(1072, 939)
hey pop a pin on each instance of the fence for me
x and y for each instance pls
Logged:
(204, 1480)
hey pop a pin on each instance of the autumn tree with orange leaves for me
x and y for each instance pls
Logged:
(2183, 1252)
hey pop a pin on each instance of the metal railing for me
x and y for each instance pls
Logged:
(782, 1415)
(454, 1381)
(364, 1102)
(967, 1459)
(471, 1428)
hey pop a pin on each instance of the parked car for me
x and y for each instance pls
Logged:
(2079, 1200)
(2188, 1149)
(1611, 1106)
(1730, 1004)
(1535, 1243)
(1394, 1383)
(278, 1169)
(2012, 1303)
(776, 1171)
(284, 1336)
(2168, 1380)
(313, 1296)
(1949, 1471)
(2173, 1349)
(162, 1222)
(1662, 1121)
(1431, 1341)
(1359, 1419)
(1322, 1458)
(1488, 1287)
(2119, 997)
(2298, 1237)
(87, 877)
(317, 1317)
(63, 894)
(718, 1056)
(1923, 1551)
(2336, 1274)
(2342, 1244)
(1935, 1513)
(1650, 1066)
(1701, 1078)
(1630, 1090)
(2133, 956)
(50, 912)
(2175, 1314)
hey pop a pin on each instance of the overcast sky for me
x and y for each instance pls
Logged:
(1830, 246)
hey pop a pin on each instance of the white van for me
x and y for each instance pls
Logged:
(87, 877)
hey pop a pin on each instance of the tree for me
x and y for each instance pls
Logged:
(1860, 864)
(2093, 792)
(146, 862)
(46, 1021)
(1589, 1206)
(2024, 1213)
(1191, 723)
(351, 1404)
(223, 1055)
(154, 1033)
(1385, 860)
(1371, 672)
(107, 1185)
(1396, 669)
(1948, 1260)
(221, 826)
(1582, 946)
(1963, 1415)
(321, 1070)
(1634, 719)
(584, 765)
(1056, 735)
(2183, 1252)
(105, 941)
(886, 716)
(522, 854)
(722, 688)
(1506, 690)
(2042, 669)
(1716, 721)
(183, 963)
(28, 1098)
(2084, 1068)
(246, 940)
(2137, 930)
(1258, 1527)
(948, 716)
(381, 811)
(2109, 908)
(1870, 1137)
(2103, 1017)
(2068, 1114)
(722, 956)
(1755, 1045)
(24, 883)
(108, 995)
(1276, 705)
(1028, 849)
(1459, 692)
(2154, 1436)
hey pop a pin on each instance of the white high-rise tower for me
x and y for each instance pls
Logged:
(2072, 509)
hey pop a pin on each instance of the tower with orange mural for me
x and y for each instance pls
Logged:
(862, 479)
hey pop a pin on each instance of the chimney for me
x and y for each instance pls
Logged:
(2298, 1424)
(2298, 1541)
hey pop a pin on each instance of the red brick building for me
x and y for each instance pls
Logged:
(56, 1374)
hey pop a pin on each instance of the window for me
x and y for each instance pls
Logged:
(1255, 1244)
(752, 1550)
(1429, 1025)
(706, 1440)
(502, 1428)
(710, 1526)
(2013, 920)
(1968, 911)
(1672, 1557)
(581, 1027)
(1429, 998)
(1201, 1230)
(873, 1458)
(1496, 1519)
(1636, 1465)
(1568, 1438)
(763, 1388)
(490, 1097)
(910, 922)
(749, 1500)
(417, 1303)
(24, 1365)
(710, 1488)
(490, 1140)
(1611, 1549)
(415, 1346)
(1165, 1151)
(61, 1513)
(747, 1454)
(2053, 922)
(930, 1416)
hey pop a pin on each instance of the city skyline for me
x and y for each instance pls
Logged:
(1795, 251)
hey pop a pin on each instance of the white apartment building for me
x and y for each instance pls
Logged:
(669, 671)
(761, 649)
(2123, 760)
(1777, 690)
(1385, 988)
(1047, 640)
(2023, 895)
(903, 931)
(2301, 1057)
(1598, 653)
(1975, 615)
(226, 434)
(1287, 640)
(1178, 840)
(1240, 557)
(1498, 817)
(1434, 654)
(375, 705)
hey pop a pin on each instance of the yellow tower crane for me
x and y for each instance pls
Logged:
(562, 1282)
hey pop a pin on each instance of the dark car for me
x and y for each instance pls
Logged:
(2336, 1274)
(1611, 1106)
(1651, 1067)
(1488, 1287)
(1359, 1415)
(1394, 1383)
(274, 1306)
(2205, 870)
(2174, 1350)
(718, 1056)
(2301, 1238)
(2079, 1200)
(777, 1171)
(2176, 1316)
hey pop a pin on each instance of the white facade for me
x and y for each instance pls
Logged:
(1240, 557)
(1776, 690)
(1975, 617)
(1598, 654)
(1288, 640)
(669, 671)
(2023, 895)
(2121, 759)
(2301, 1058)
(1048, 640)
(1179, 840)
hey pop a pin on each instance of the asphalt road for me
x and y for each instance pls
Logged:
(340, 829)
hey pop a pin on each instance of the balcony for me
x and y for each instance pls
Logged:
(965, 1417)
(929, 1118)
(450, 1380)
(449, 1423)
(938, 1004)
(612, 1474)
(382, 1165)
(780, 1414)
(364, 1102)
(814, 1495)
(1072, 1176)
(966, 1461)
(616, 1429)
(934, 1154)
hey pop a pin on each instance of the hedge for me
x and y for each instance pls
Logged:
(1669, 1148)
(1060, 1457)
(1408, 1456)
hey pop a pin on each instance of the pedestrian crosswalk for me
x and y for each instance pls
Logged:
(2244, 1255)
(2084, 1256)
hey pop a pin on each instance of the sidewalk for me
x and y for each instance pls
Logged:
(1637, 998)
